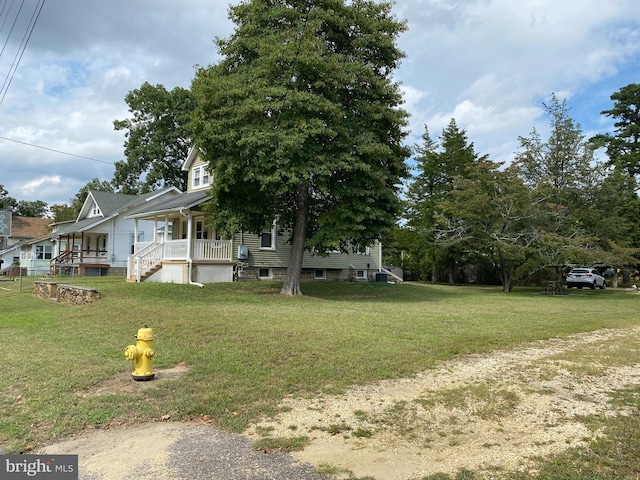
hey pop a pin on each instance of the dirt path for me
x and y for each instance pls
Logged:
(479, 412)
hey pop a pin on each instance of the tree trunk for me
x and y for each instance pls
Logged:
(434, 273)
(506, 282)
(505, 275)
(626, 275)
(294, 270)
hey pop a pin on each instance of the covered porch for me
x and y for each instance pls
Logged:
(151, 257)
(184, 248)
(80, 253)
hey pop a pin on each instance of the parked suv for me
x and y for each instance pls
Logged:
(585, 277)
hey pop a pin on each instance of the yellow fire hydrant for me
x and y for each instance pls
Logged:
(142, 353)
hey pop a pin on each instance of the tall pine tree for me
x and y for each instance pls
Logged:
(437, 166)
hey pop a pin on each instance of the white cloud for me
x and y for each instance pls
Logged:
(486, 63)
(39, 184)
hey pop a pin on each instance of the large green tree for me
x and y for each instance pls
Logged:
(157, 139)
(590, 211)
(561, 174)
(7, 202)
(22, 208)
(436, 167)
(302, 125)
(31, 208)
(492, 214)
(623, 146)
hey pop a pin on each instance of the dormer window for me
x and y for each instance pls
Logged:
(95, 211)
(200, 177)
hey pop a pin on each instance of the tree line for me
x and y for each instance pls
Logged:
(467, 218)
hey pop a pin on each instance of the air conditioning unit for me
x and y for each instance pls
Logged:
(381, 277)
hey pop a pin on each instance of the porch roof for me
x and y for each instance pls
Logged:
(184, 201)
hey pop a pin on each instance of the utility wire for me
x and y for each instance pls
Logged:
(57, 151)
(15, 20)
(4, 5)
(22, 47)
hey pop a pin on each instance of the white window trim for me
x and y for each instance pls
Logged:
(95, 211)
(321, 277)
(269, 275)
(46, 252)
(273, 238)
(363, 276)
(200, 177)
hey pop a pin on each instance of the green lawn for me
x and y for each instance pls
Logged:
(247, 346)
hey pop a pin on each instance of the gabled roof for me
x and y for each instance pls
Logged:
(193, 154)
(108, 202)
(112, 205)
(184, 201)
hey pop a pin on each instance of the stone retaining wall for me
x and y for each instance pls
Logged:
(63, 293)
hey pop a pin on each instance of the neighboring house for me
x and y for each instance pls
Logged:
(23, 230)
(190, 251)
(99, 242)
(36, 256)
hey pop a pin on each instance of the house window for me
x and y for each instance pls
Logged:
(268, 239)
(201, 233)
(200, 177)
(95, 211)
(361, 274)
(320, 274)
(264, 273)
(359, 251)
(43, 252)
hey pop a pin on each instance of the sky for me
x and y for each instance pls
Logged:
(489, 64)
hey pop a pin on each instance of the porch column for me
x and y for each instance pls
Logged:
(166, 228)
(155, 229)
(189, 236)
(135, 236)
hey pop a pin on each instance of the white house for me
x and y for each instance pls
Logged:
(100, 240)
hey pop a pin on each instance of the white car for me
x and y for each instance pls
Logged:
(585, 277)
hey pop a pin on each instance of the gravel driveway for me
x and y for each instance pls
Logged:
(176, 451)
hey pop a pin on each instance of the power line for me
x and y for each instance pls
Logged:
(22, 47)
(15, 20)
(57, 151)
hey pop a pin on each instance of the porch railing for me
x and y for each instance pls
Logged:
(151, 255)
(212, 250)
